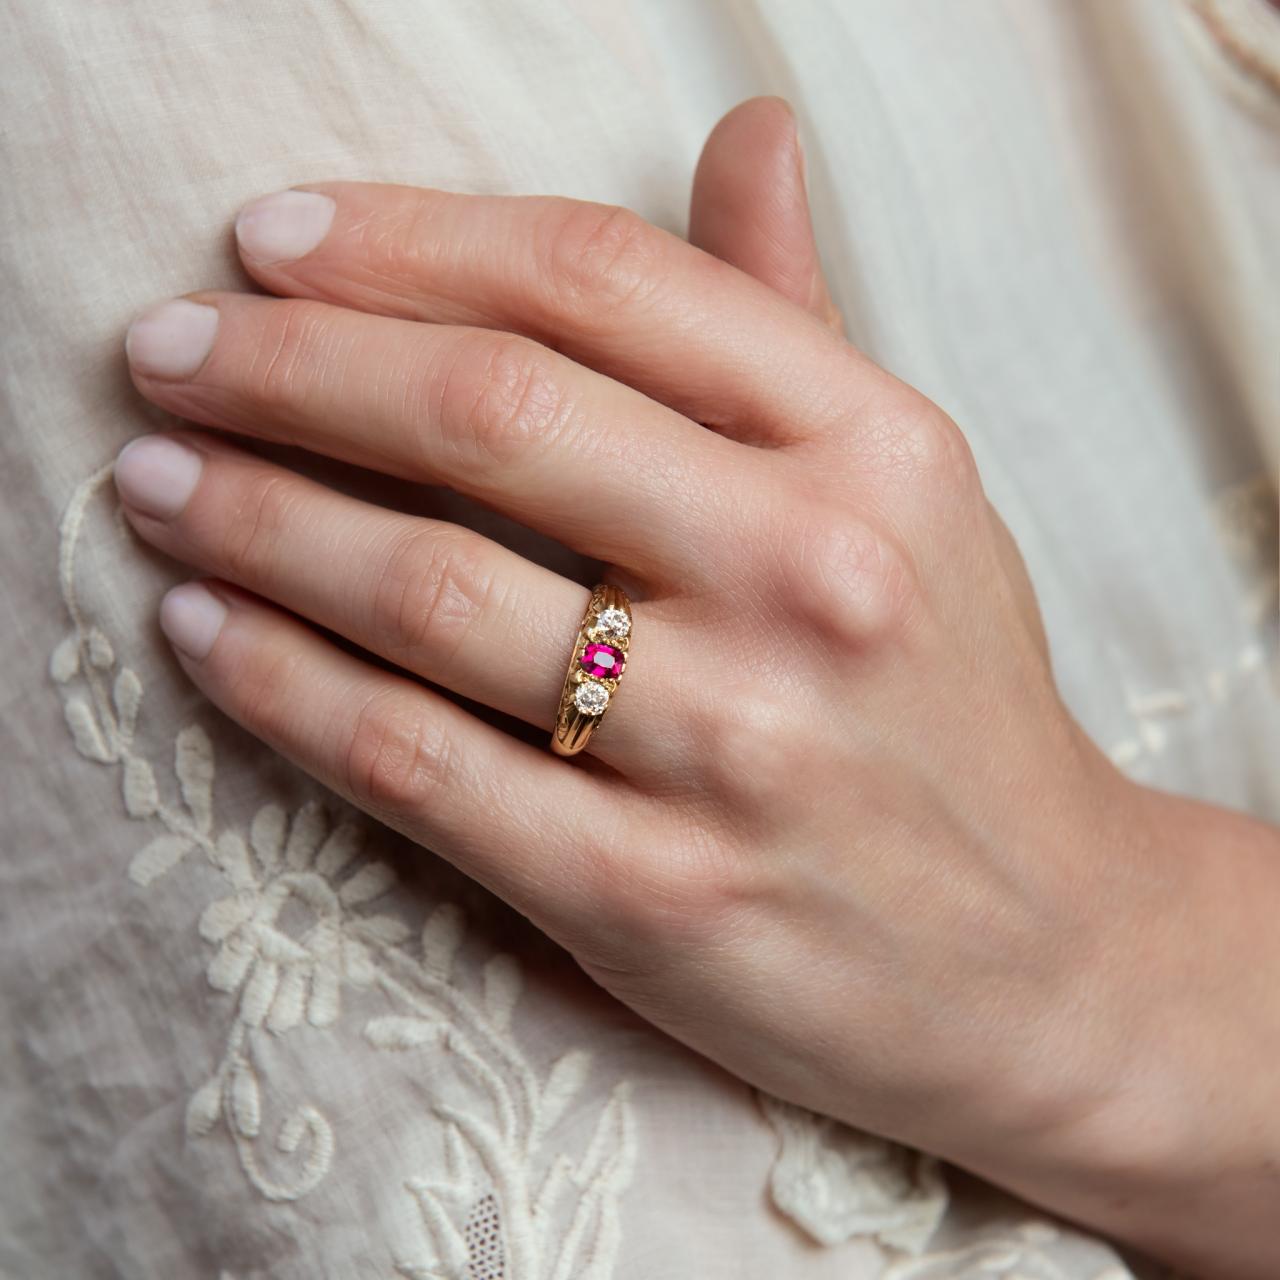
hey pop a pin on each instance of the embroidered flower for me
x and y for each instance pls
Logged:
(289, 934)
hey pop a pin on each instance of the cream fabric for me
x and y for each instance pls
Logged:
(248, 1034)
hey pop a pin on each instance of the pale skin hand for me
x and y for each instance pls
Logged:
(839, 832)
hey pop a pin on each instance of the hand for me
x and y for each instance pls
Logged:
(839, 832)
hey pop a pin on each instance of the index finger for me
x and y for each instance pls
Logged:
(594, 281)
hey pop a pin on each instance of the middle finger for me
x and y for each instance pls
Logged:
(569, 452)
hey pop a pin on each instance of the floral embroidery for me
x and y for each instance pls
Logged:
(837, 1182)
(1245, 518)
(295, 927)
(1016, 1253)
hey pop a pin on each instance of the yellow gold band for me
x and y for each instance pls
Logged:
(595, 667)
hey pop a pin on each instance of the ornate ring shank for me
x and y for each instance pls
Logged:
(595, 667)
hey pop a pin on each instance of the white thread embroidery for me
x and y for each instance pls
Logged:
(1016, 1253)
(1245, 517)
(506, 1207)
(837, 1182)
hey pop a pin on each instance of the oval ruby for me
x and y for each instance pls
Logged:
(603, 660)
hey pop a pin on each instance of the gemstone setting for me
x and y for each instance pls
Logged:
(590, 698)
(613, 624)
(603, 661)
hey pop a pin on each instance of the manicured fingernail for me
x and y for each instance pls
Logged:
(191, 616)
(156, 475)
(172, 340)
(284, 226)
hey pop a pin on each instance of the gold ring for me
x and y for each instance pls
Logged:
(595, 667)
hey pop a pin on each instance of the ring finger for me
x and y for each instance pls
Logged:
(436, 599)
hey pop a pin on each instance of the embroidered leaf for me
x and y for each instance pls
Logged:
(443, 1230)
(161, 855)
(127, 696)
(279, 948)
(64, 662)
(307, 1123)
(556, 1181)
(441, 937)
(371, 881)
(455, 1153)
(563, 1081)
(385, 929)
(223, 917)
(85, 732)
(322, 1008)
(259, 991)
(290, 1002)
(836, 1182)
(231, 855)
(309, 825)
(501, 988)
(341, 846)
(266, 835)
(316, 1159)
(357, 964)
(228, 967)
(418, 1271)
(246, 1101)
(193, 763)
(141, 799)
(101, 655)
(292, 1132)
(402, 1033)
(479, 1133)
(612, 1146)
(202, 1110)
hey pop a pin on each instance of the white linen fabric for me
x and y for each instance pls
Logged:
(246, 1032)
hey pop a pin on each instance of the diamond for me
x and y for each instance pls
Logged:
(613, 623)
(603, 661)
(590, 698)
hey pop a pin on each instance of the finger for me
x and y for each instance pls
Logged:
(596, 282)
(519, 820)
(592, 463)
(750, 207)
(436, 599)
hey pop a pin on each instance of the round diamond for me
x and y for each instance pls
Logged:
(613, 623)
(590, 698)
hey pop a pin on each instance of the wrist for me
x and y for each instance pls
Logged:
(1151, 1111)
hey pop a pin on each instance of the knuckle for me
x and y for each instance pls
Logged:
(941, 448)
(251, 534)
(852, 581)
(501, 401)
(906, 437)
(396, 759)
(747, 746)
(429, 593)
(262, 690)
(663, 900)
(601, 257)
(402, 238)
(276, 375)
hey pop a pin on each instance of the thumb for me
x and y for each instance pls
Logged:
(750, 207)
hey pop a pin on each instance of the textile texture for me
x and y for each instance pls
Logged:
(248, 1033)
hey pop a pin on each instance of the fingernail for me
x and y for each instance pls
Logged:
(284, 226)
(172, 340)
(157, 475)
(191, 616)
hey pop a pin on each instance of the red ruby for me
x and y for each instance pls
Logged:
(603, 660)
